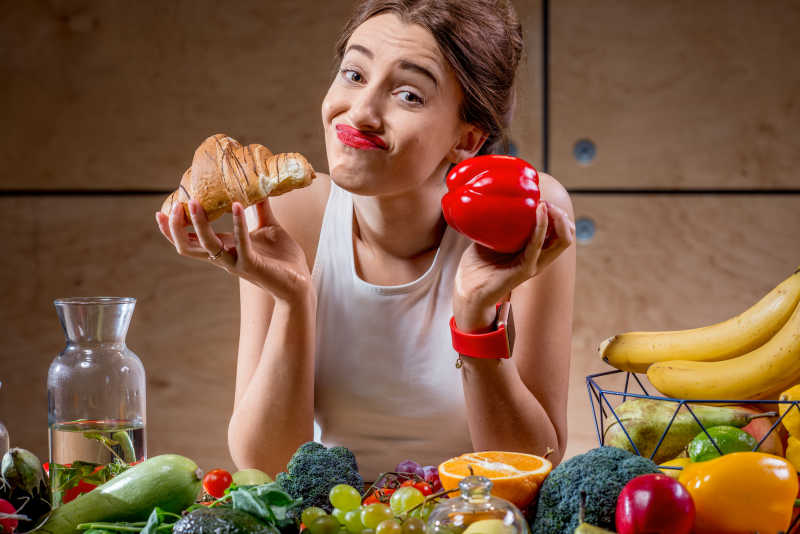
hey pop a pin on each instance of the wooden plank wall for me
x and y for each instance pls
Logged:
(676, 97)
(109, 99)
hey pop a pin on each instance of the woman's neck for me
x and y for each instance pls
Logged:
(400, 227)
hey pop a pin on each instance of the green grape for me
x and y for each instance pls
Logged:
(414, 525)
(338, 513)
(405, 499)
(311, 513)
(344, 497)
(324, 525)
(424, 511)
(374, 513)
(352, 520)
(389, 526)
(368, 531)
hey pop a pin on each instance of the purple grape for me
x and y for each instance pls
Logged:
(430, 474)
(407, 466)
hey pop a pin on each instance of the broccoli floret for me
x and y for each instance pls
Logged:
(601, 473)
(313, 470)
(345, 454)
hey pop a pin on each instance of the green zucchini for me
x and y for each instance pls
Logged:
(169, 481)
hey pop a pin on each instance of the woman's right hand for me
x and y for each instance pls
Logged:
(267, 256)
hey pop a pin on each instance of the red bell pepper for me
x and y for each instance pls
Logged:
(492, 200)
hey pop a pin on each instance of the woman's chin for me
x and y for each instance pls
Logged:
(353, 177)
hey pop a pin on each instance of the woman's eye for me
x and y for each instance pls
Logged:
(411, 98)
(352, 76)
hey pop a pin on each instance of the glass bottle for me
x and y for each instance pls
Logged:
(95, 395)
(4, 443)
(476, 511)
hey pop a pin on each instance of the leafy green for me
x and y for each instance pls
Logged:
(66, 477)
(267, 502)
(159, 522)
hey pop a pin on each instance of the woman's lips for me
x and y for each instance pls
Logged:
(357, 139)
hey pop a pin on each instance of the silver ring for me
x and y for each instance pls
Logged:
(217, 255)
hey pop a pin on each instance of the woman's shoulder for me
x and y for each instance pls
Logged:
(555, 193)
(300, 212)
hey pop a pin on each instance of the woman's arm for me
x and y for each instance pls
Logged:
(273, 407)
(521, 404)
(274, 404)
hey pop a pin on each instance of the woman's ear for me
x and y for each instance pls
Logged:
(469, 142)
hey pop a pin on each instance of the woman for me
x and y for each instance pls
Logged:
(347, 286)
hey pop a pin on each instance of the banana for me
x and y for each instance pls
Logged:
(636, 351)
(760, 374)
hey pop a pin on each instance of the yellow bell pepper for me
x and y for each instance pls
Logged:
(741, 493)
(791, 421)
(793, 451)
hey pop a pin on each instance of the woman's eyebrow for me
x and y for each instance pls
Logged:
(404, 64)
(413, 67)
(363, 49)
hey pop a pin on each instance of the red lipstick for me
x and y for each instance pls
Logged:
(357, 139)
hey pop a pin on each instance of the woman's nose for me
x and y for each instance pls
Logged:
(365, 109)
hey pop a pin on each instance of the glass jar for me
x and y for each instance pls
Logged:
(95, 396)
(476, 511)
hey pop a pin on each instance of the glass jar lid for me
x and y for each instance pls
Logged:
(476, 511)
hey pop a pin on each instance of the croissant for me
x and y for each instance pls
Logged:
(224, 172)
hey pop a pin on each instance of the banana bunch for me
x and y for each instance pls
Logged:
(755, 355)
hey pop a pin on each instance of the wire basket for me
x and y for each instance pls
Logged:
(604, 413)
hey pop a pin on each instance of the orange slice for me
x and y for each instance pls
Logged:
(515, 476)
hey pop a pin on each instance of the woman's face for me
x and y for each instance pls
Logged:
(392, 114)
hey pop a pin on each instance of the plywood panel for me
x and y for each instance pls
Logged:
(184, 327)
(676, 94)
(526, 126)
(118, 94)
(669, 262)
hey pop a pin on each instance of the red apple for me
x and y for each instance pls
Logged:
(654, 504)
(758, 428)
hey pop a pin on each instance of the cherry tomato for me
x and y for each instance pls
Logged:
(216, 482)
(379, 495)
(409, 482)
(424, 487)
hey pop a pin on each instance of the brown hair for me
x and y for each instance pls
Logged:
(482, 41)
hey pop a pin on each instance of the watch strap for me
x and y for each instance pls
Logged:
(489, 345)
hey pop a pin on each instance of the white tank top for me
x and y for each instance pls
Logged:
(386, 383)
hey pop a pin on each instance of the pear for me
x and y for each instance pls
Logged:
(646, 419)
(584, 527)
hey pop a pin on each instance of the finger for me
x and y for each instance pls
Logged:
(180, 236)
(162, 221)
(241, 234)
(265, 215)
(565, 237)
(534, 247)
(558, 213)
(209, 240)
(565, 231)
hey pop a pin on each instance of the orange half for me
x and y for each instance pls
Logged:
(515, 476)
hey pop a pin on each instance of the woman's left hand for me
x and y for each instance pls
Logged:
(486, 277)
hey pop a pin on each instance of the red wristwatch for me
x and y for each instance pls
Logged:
(491, 345)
